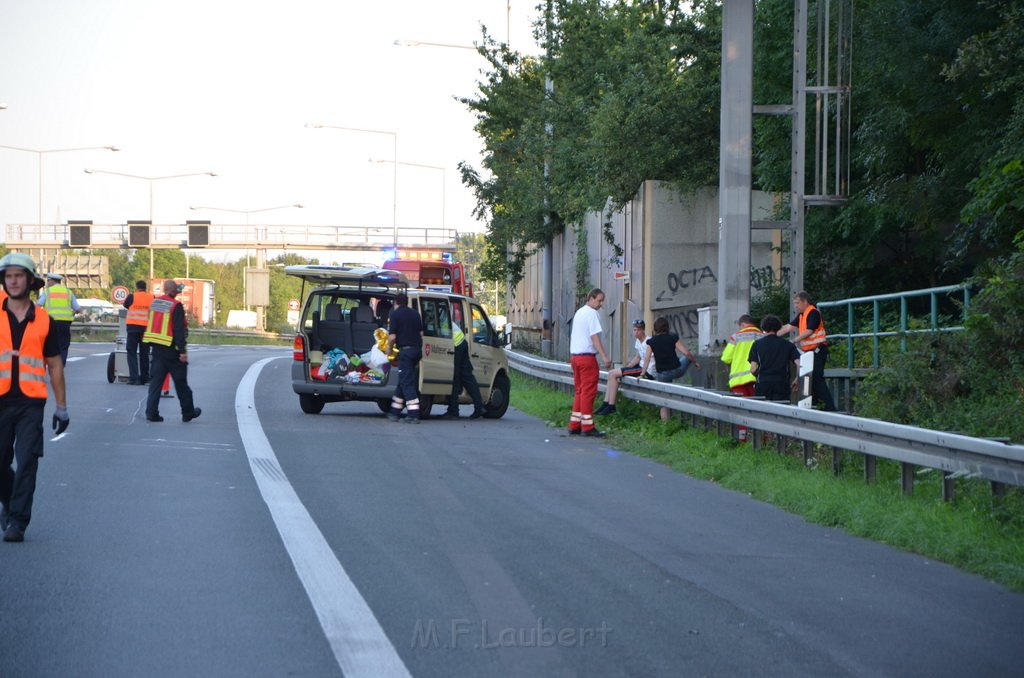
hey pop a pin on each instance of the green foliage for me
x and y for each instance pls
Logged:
(976, 532)
(634, 97)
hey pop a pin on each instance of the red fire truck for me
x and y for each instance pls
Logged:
(432, 270)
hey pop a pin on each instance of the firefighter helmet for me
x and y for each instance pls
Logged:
(24, 261)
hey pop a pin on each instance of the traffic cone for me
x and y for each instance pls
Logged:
(165, 390)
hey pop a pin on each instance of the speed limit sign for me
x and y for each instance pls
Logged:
(293, 304)
(119, 294)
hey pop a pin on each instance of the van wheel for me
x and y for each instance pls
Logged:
(496, 407)
(384, 404)
(111, 369)
(310, 404)
(426, 404)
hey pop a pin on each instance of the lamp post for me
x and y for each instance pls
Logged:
(245, 282)
(394, 159)
(39, 153)
(151, 180)
(444, 181)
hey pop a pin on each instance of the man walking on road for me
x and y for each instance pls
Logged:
(137, 304)
(584, 345)
(28, 350)
(406, 332)
(168, 334)
(810, 327)
(61, 305)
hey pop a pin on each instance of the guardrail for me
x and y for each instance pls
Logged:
(195, 334)
(957, 456)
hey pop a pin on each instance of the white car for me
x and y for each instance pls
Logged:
(337, 353)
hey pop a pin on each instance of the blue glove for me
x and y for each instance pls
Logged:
(60, 420)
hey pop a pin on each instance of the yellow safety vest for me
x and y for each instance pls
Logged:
(138, 312)
(737, 355)
(457, 334)
(158, 329)
(58, 303)
(31, 362)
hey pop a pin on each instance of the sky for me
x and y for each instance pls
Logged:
(230, 86)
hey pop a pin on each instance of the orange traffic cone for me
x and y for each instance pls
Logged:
(165, 390)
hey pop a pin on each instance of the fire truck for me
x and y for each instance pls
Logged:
(432, 270)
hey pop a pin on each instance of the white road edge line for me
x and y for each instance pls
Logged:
(360, 645)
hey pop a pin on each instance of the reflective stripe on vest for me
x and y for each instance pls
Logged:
(138, 312)
(817, 337)
(31, 363)
(458, 336)
(58, 303)
(158, 329)
(739, 353)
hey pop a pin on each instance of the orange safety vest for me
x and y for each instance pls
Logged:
(138, 312)
(31, 362)
(817, 337)
(158, 328)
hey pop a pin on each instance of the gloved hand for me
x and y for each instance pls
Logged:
(60, 420)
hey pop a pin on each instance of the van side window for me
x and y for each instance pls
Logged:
(437, 317)
(481, 326)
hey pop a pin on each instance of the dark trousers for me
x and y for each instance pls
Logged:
(138, 354)
(777, 390)
(21, 438)
(407, 393)
(166, 361)
(62, 330)
(820, 393)
(462, 376)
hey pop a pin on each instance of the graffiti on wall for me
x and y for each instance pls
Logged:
(682, 321)
(766, 277)
(684, 279)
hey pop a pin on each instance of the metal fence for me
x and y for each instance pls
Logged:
(957, 456)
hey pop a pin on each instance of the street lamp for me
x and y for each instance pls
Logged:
(444, 181)
(40, 152)
(245, 282)
(425, 43)
(151, 180)
(394, 159)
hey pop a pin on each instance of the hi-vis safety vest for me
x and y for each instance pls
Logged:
(737, 355)
(58, 303)
(817, 337)
(458, 336)
(138, 312)
(158, 329)
(31, 363)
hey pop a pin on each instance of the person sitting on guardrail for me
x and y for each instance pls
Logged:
(770, 357)
(630, 369)
(662, 348)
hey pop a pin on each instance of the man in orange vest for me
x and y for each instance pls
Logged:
(810, 327)
(137, 304)
(29, 350)
(167, 335)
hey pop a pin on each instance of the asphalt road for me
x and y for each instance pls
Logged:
(261, 541)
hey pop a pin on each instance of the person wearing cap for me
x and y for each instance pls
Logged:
(29, 352)
(167, 334)
(630, 369)
(60, 303)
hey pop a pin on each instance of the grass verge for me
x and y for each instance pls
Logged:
(976, 532)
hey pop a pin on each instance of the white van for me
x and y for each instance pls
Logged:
(334, 351)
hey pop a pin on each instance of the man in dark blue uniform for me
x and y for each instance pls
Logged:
(406, 332)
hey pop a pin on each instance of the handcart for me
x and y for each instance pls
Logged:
(117, 362)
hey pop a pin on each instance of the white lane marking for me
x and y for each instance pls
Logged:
(75, 359)
(360, 645)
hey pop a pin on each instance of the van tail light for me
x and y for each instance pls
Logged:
(299, 348)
